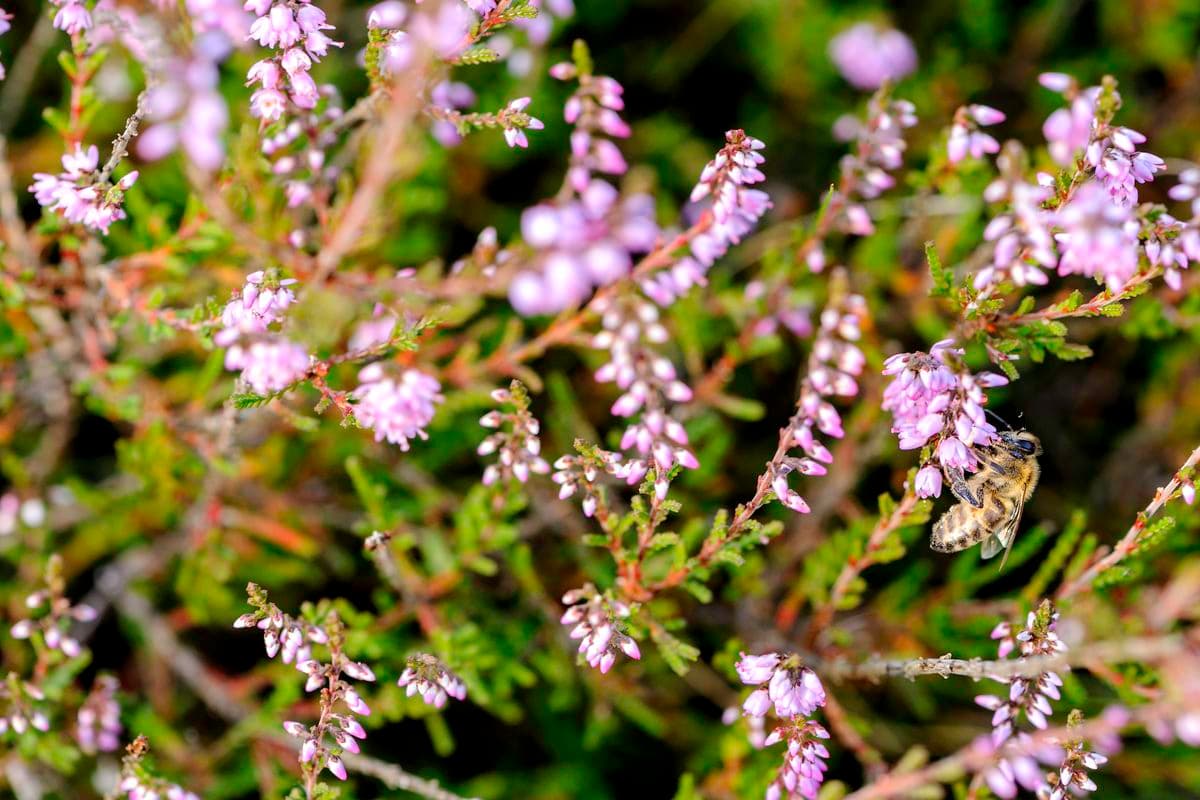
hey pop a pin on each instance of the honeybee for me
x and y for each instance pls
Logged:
(992, 498)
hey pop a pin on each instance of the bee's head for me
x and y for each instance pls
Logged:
(1021, 444)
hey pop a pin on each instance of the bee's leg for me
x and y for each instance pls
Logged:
(995, 467)
(958, 485)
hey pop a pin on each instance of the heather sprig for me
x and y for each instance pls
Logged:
(336, 730)
(516, 440)
(794, 692)
(52, 614)
(597, 621)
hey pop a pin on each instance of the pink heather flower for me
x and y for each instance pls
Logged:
(450, 95)
(735, 210)
(928, 482)
(294, 637)
(649, 382)
(1069, 130)
(261, 303)
(14, 513)
(833, 368)
(397, 410)
(515, 121)
(298, 38)
(225, 18)
(55, 623)
(444, 30)
(1017, 769)
(1030, 696)
(186, 111)
(269, 365)
(388, 15)
(1120, 167)
(76, 196)
(1099, 237)
(864, 172)
(804, 767)
(516, 441)
(934, 400)
(1072, 778)
(594, 621)
(98, 721)
(791, 688)
(539, 28)
(593, 109)
(867, 56)
(72, 17)
(795, 692)
(1023, 241)
(965, 136)
(375, 332)
(573, 473)
(427, 677)
(582, 243)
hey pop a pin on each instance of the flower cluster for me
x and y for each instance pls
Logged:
(794, 692)
(186, 109)
(268, 362)
(573, 473)
(1099, 238)
(1109, 151)
(72, 17)
(1023, 235)
(98, 721)
(396, 409)
(515, 440)
(579, 244)
(936, 402)
(594, 621)
(80, 194)
(587, 235)
(14, 512)
(226, 17)
(426, 676)
(334, 732)
(833, 368)
(20, 707)
(869, 56)
(1072, 778)
(593, 109)
(1029, 695)
(966, 138)
(648, 380)
(735, 208)
(297, 152)
(864, 172)
(296, 32)
(53, 614)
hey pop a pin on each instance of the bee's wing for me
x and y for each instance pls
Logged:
(1004, 536)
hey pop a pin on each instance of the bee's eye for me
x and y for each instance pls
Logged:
(1025, 446)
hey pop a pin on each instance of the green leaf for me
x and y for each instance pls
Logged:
(943, 279)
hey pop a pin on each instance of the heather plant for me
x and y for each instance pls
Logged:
(560, 398)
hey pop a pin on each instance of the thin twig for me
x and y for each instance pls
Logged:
(1129, 541)
(1139, 648)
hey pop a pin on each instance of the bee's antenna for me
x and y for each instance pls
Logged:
(997, 417)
